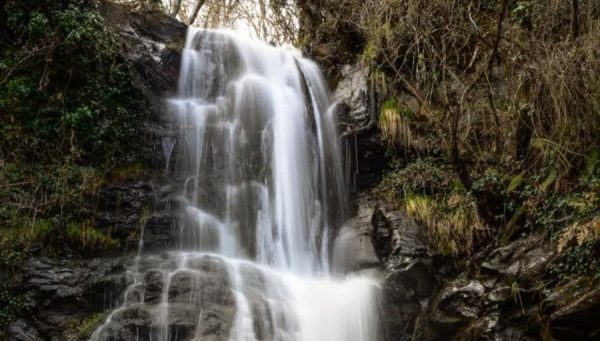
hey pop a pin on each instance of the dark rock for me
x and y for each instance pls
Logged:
(353, 90)
(121, 207)
(406, 293)
(382, 233)
(357, 113)
(152, 45)
(21, 330)
(409, 282)
(355, 247)
(177, 299)
(575, 311)
(460, 301)
(525, 259)
(64, 291)
(160, 232)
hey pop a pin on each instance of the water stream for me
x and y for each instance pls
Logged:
(262, 200)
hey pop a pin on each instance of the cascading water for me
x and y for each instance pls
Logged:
(261, 200)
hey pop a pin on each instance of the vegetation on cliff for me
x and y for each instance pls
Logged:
(490, 111)
(494, 103)
(68, 115)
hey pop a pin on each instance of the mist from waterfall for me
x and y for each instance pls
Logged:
(261, 201)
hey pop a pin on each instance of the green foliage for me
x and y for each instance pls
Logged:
(88, 239)
(432, 195)
(579, 260)
(27, 235)
(50, 206)
(12, 300)
(57, 191)
(65, 89)
(423, 177)
(523, 13)
(68, 113)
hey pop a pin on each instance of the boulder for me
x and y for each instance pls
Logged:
(574, 310)
(22, 330)
(353, 89)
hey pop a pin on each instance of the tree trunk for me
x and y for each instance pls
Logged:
(199, 5)
(176, 8)
(574, 19)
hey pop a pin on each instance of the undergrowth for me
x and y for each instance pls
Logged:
(501, 96)
(69, 114)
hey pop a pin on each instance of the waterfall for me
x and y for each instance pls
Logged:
(262, 199)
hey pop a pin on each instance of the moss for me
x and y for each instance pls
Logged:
(80, 330)
(175, 46)
(27, 235)
(515, 182)
(87, 239)
(133, 171)
(395, 123)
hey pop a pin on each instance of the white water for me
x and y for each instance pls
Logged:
(264, 197)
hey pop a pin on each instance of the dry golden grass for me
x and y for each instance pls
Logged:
(394, 124)
(451, 228)
(510, 80)
(579, 233)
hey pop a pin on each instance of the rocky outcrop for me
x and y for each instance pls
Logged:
(504, 292)
(64, 293)
(151, 44)
(503, 297)
(573, 310)
(408, 274)
(356, 109)
(175, 298)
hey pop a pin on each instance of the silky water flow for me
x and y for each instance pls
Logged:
(262, 198)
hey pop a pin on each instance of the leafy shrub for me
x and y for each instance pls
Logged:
(66, 90)
(12, 301)
(69, 112)
(423, 177)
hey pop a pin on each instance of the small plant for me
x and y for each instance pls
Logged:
(12, 299)
(87, 239)
(516, 293)
(394, 123)
(421, 177)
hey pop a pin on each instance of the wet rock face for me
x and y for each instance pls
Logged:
(152, 45)
(174, 296)
(356, 110)
(353, 89)
(574, 310)
(65, 292)
(195, 302)
(500, 296)
(408, 283)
